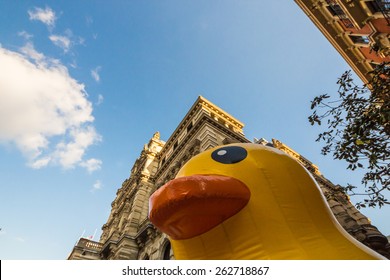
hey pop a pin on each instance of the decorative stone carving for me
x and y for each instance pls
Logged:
(140, 243)
(151, 232)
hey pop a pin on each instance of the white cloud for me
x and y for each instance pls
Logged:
(39, 163)
(92, 164)
(73, 64)
(95, 73)
(66, 41)
(31, 53)
(81, 41)
(97, 186)
(100, 100)
(46, 16)
(71, 152)
(47, 116)
(63, 42)
(25, 35)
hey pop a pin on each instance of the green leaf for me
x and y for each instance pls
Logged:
(359, 142)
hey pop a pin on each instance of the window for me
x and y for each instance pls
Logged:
(374, 65)
(360, 39)
(336, 11)
(379, 6)
(373, 6)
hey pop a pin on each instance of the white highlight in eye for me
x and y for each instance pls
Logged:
(221, 152)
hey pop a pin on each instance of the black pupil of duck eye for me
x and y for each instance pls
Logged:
(229, 155)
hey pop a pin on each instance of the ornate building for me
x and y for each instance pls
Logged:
(358, 29)
(128, 234)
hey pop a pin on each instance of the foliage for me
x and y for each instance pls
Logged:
(358, 129)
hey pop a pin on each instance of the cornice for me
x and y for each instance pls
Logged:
(199, 104)
(200, 122)
(221, 113)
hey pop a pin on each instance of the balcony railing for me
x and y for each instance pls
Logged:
(384, 8)
(336, 10)
(89, 244)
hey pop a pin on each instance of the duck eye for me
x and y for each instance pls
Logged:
(229, 154)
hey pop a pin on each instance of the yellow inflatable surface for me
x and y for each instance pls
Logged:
(249, 201)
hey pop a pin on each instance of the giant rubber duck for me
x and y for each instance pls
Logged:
(249, 201)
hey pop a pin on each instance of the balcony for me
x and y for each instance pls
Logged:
(380, 6)
(336, 10)
(89, 244)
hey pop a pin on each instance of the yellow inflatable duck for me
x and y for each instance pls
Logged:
(249, 201)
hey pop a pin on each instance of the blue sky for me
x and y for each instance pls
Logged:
(84, 84)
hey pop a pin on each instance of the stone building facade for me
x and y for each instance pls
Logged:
(128, 234)
(358, 29)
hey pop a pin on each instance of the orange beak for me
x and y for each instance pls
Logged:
(189, 206)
